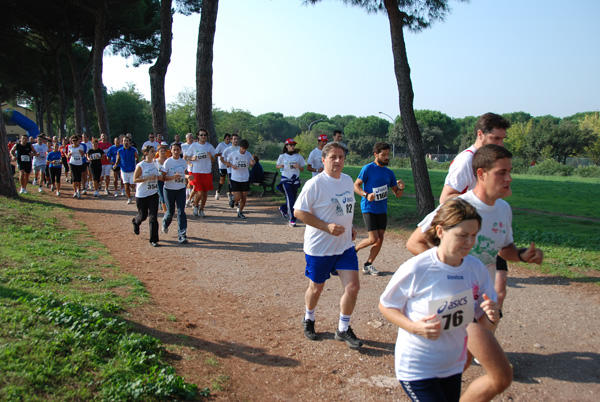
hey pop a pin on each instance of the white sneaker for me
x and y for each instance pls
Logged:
(370, 270)
(22, 191)
(40, 190)
(84, 192)
(238, 210)
(78, 194)
(202, 214)
(188, 203)
(52, 188)
(95, 194)
(58, 193)
(34, 182)
(195, 211)
(75, 194)
(117, 193)
(122, 192)
(129, 201)
(217, 196)
(25, 191)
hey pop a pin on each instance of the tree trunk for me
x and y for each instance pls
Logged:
(204, 68)
(62, 99)
(424, 194)
(39, 111)
(98, 52)
(49, 121)
(77, 91)
(159, 70)
(7, 183)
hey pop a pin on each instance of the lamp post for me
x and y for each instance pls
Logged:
(311, 124)
(393, 144)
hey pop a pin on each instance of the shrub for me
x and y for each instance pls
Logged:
(400, 163)
(520, 165)
(435, 165)
(550, 167)
(587, 171)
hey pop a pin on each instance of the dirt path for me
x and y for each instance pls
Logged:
(234, 296)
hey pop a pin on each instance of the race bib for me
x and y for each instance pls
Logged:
(241, 164)
(153, 184)
(201, 155)
(346, 205)
(76, 157)
(454, 311)
(380, 193)
(94, 156)
(56, 163)
(25, 158)
(42, 154)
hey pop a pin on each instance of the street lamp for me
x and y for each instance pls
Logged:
(393, 144)
(311, 124)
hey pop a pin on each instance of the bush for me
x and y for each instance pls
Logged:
(587, 171)
(550, 167)
(400, 163)
(520, 165)
(435, 165)
(357, 160)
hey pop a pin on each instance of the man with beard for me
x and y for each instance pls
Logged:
(372, 185)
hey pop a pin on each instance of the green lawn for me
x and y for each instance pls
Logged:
(561, 214)
(61, 334)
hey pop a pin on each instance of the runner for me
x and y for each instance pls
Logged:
(76, 153)
(54, 160)
(127, 157)
(104, 145)
(111, 154)
(201, 155)
(39, 162)
(372, 185)
(291, 163)
(326, 206)
(432, 298)
(146, 194)
(240, 162)
(222, 167)
(65, 161)
(189, 140)
(161, 157)
(314, 163)
(235, 139)
(95, 157)
(23, 154)
(173, 172)
(87, 145)
(151, 141)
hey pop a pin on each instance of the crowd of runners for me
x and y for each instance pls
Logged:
(446, 301)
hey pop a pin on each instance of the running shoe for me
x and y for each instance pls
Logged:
(52, 188)
(348, 337)
(58, 193)
(217, 196)
(84, 191)
(122, 192)
(21, 191)
(117, 193)
(286, 216)
(25, 191)
(293, 224)
(231, 203)
(40, 190)
(309, 329)
(78, 195)
(188, 203)
(106, 192)
(75, 194)
(196, 211)
(129, 201)
(183, 240)
(34, 182)
(202, 215)
(165, 229)
(369, 269)
(136, 228)
(96, 194)
(241, 215)
(154, 244)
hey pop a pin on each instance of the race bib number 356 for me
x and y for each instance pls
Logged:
(455, 311)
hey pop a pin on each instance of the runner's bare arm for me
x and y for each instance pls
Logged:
(447, 193)
(531, 254)
(417, 242)
(422, 327)
(311, 220)
(399, 188)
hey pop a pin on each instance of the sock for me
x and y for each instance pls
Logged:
(219, 188)
(344, 322)
(310, 314)
(367, 263)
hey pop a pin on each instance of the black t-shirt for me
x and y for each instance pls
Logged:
(24, 152)
(95, 156)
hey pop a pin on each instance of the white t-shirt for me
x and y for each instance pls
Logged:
(76, 158)
(332, 201)
(287, 160)
(220, 149)
(148, 187)
(496, 229)
(460, 175)
(242, 162)
(155, 144)
(172, 166)
(425, 278)
(228, 151)
(42, 150)
(315, 160)
(203, 164)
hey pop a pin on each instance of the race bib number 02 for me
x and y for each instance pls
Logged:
(380, 193)
(346, 205)
(454, 311)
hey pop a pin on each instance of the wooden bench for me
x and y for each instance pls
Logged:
(268, 181)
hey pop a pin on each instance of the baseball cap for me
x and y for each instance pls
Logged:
(322, 137)
(290, 141)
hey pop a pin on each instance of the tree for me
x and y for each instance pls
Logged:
(274, 127)
(370, 126)
(159, 70)
(7, 184)
(129, 112)
(415, 15)
(181, 114)
(204, 68)
(591, 122)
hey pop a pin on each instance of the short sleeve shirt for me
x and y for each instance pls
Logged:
(242, 164)
(377, 180)
(460, 174)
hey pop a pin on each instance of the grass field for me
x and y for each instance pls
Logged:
(61, 332)
(560, 214)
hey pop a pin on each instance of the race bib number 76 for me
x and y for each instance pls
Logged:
(455, 311)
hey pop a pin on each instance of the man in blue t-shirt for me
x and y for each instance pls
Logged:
(372, 185)
(127, 158)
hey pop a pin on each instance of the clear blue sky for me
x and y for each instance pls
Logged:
(536, 56)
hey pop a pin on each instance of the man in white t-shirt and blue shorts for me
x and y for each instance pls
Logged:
(222, 167)
(326, 206)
